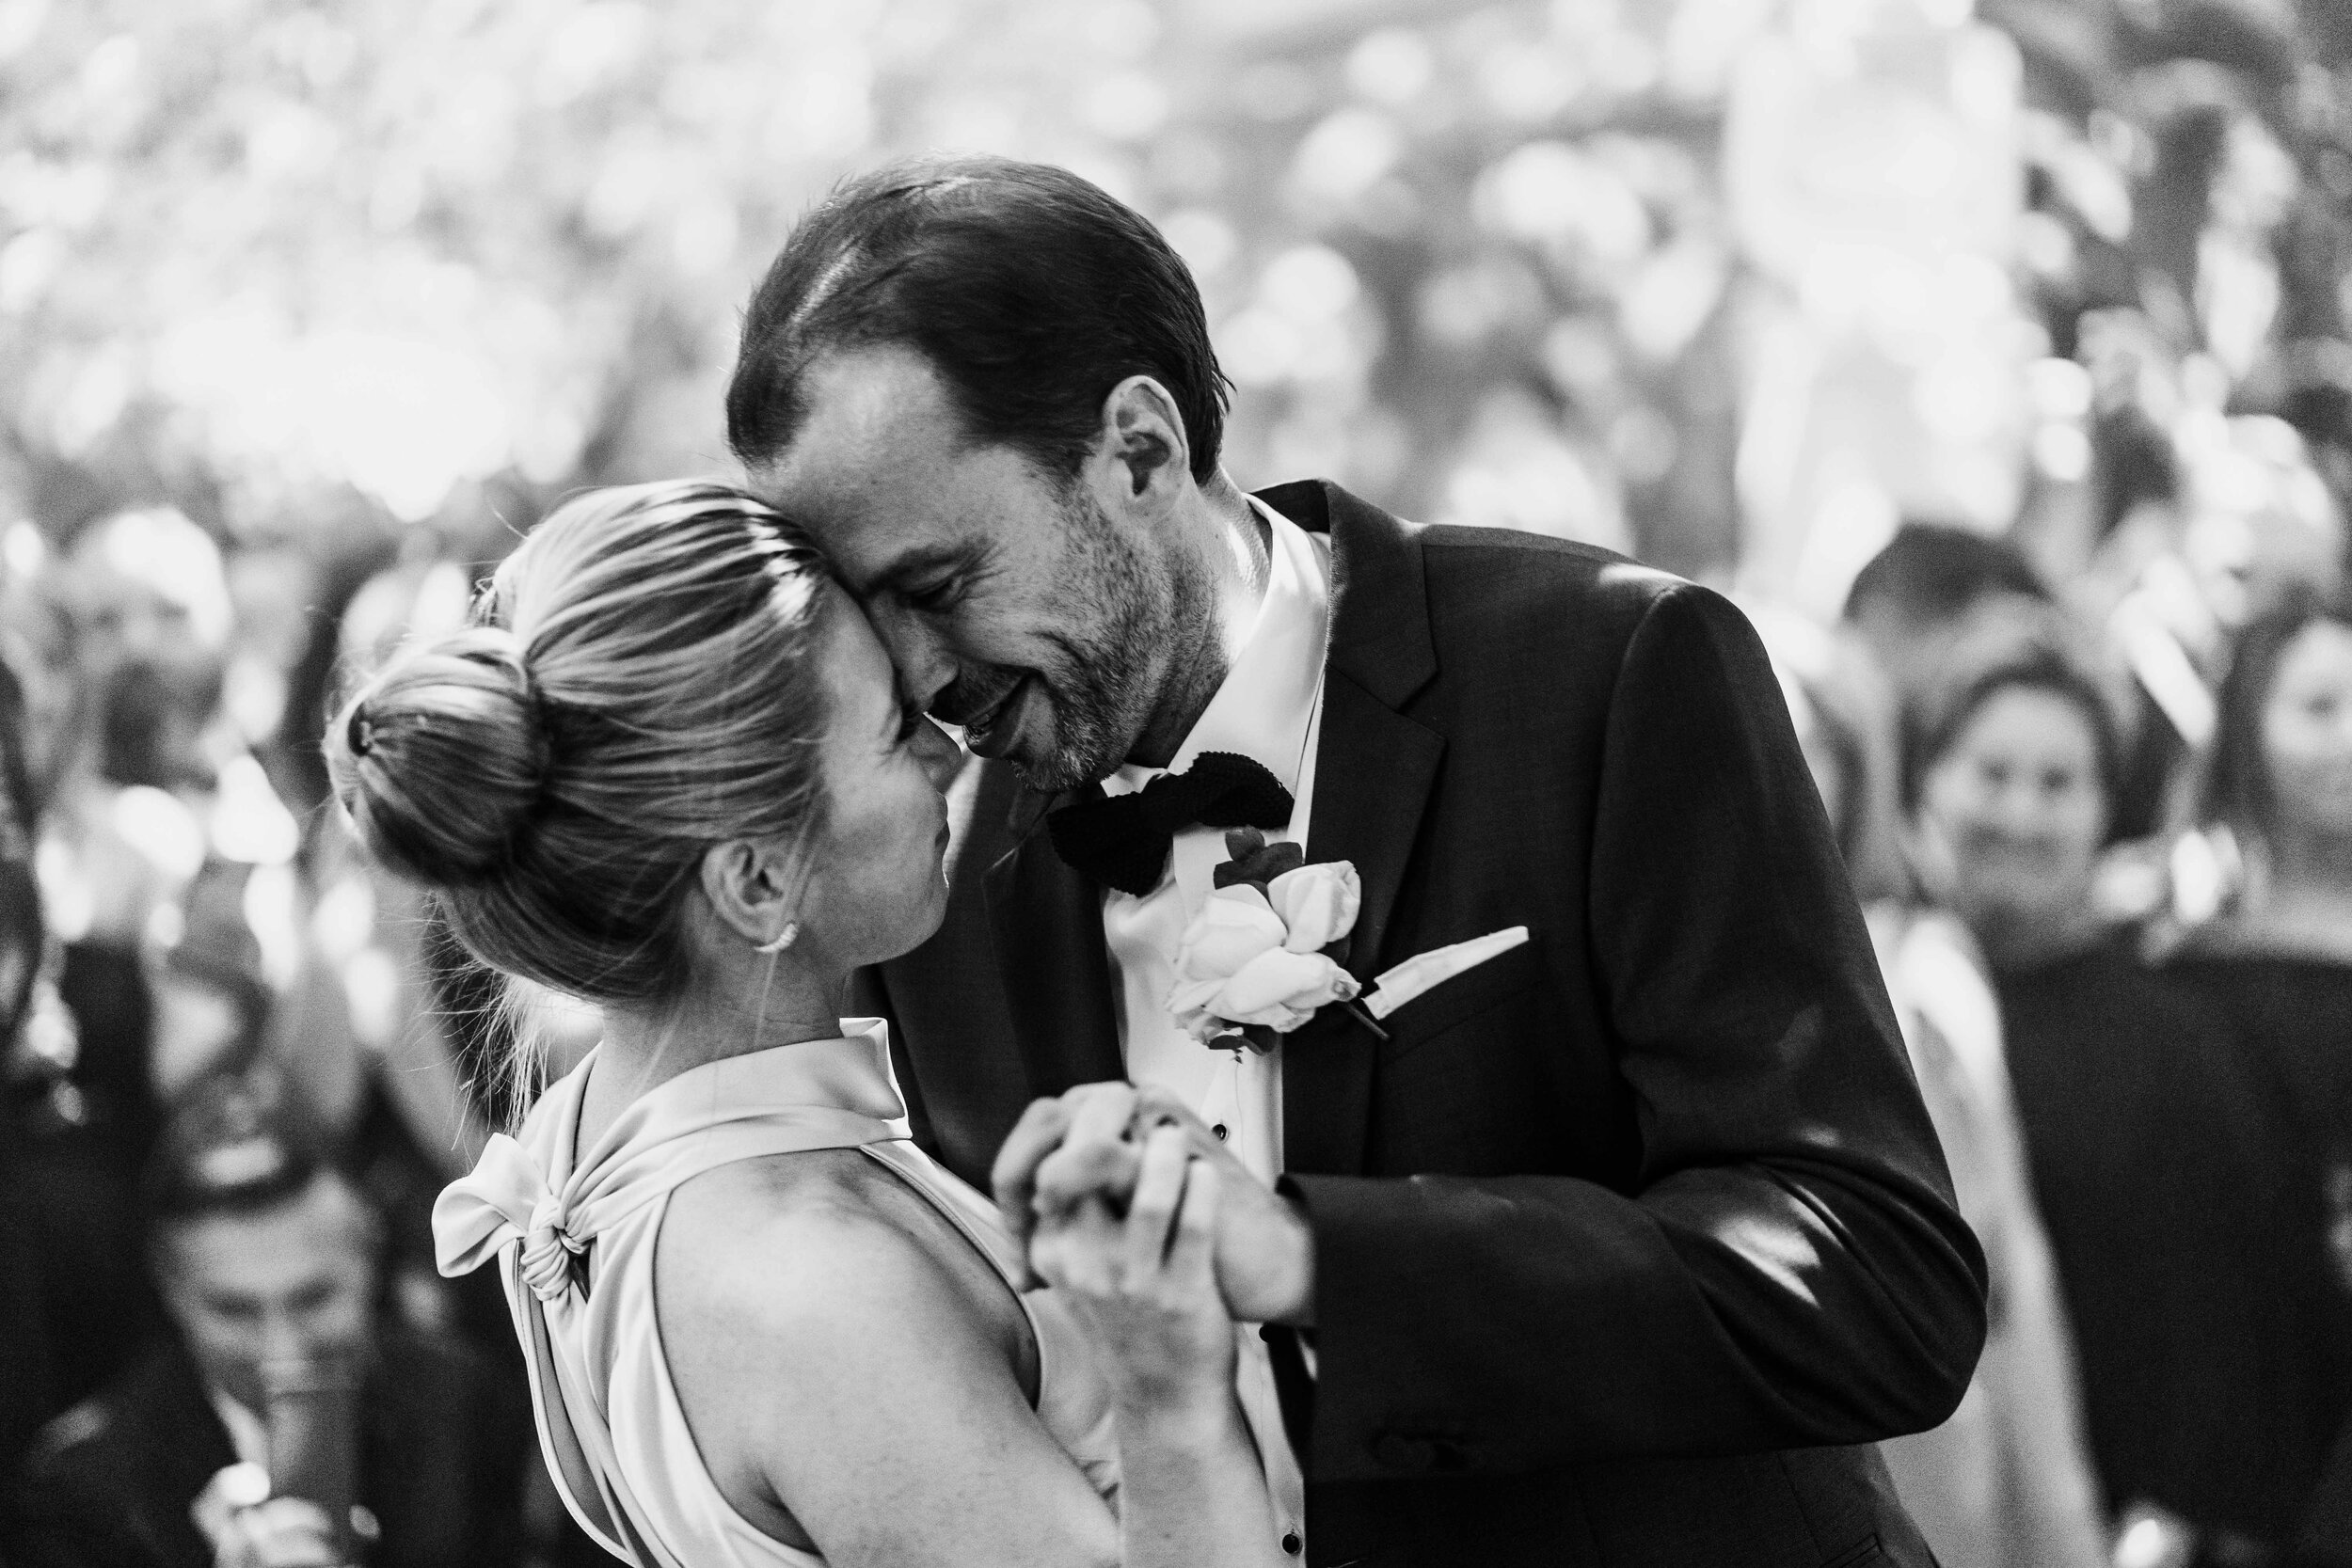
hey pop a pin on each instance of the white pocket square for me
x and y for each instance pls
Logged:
(1391, 989)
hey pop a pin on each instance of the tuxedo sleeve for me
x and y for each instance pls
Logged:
(1786, 1268)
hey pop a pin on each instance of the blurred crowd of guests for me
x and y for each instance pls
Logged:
(233, 1079)
(2092, 774)
(2122, 959)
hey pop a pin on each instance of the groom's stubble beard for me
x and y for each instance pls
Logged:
(1145, 633)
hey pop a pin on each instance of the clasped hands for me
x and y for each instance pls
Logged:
(1107, 1157)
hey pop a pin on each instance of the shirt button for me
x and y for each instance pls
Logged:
(1290, 1543)
(1219, 1131)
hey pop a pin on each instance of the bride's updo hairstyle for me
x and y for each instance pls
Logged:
(641, 682)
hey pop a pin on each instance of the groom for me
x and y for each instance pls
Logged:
(1617, 1248)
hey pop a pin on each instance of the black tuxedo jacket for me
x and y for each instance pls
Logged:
(442, 1450)
(1627, 1243)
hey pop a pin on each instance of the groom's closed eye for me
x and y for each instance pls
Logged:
(939, 598)
(933, 581)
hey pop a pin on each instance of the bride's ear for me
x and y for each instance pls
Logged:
(754, 888)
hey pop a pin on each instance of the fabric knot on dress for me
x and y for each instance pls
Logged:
(548, 1250)
(507, 1200)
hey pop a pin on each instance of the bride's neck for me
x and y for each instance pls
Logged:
(771, 1004)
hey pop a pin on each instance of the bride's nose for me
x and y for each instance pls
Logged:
(940, 757)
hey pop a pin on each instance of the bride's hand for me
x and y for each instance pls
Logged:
(1144, 1287)
(1084, 1142)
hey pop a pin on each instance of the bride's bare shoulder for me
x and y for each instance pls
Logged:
(812, 1324)
(817, 1244)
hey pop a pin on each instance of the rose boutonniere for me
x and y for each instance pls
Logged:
(1266, 948)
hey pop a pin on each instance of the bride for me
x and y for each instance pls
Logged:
(668, 769)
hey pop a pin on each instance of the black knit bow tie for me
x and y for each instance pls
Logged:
(1123, 841)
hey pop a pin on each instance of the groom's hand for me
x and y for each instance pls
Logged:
(1089, 1142)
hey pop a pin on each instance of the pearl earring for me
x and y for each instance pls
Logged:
(784, 939)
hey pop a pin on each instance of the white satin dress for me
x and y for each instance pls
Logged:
(575, 1244)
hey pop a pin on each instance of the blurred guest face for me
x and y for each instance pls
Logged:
(2307, 734)
(1018, 608)
(151, 587)
(124, 622)
(293, 1279)
(2012, 816)
(1906, 649)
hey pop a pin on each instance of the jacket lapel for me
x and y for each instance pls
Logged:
(175, 1443)
(1375, 769)
(1047, 923)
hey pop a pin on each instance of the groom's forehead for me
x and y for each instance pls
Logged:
(869, 416)
(882, 472)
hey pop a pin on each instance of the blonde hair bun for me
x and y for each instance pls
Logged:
(642, 680)
(445, 758)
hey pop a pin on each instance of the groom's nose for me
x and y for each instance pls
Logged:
(925, 663)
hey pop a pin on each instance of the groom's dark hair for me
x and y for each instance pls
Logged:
(1031, 291)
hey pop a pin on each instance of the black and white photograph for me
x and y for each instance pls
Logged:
(1176, 784)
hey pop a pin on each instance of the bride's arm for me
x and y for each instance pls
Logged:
(828, 1364)
(1144, 1289)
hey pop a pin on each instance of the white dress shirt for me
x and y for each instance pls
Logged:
(1268, 709)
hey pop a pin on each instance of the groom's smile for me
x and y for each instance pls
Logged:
(1012, 604)
(992, 725)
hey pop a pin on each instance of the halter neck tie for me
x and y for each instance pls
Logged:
(507, 1198)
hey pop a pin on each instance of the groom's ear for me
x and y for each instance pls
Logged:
(1143, 445)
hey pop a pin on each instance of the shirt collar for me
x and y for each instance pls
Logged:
(1266, 703)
